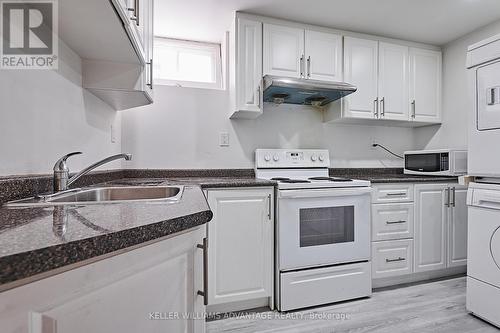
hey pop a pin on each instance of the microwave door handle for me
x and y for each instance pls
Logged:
(298, 194)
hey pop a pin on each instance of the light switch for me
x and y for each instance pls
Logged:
(224, 139)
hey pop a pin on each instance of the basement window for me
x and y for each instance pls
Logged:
(187, 63)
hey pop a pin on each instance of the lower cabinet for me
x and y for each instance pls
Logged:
(392, 258)
(431, 217)
(149, 289)
(418, 228)
(241, 247)
(440, 226)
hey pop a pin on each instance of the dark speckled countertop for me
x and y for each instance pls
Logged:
(387, 175)
(39, 240)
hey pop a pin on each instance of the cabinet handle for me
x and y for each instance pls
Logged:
(448, 196)
(395, 222)
(375, 108)
(413, 109)
(453, 196)
(394, 260)
(382, 107)
(301, 63)
(204, 293)
(269, 208)
(309, 67)
(150, 63)
(136, 13)
(398, 194)
(258, 96)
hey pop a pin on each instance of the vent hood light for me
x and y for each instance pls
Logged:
(304, 92)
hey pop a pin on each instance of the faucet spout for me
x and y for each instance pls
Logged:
(61, 174)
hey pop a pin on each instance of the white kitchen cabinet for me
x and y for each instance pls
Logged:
(392, 258)
(425, 85)
(431, 216)
(392, 193)
(457, 227)
(393, 82)
(283, 51)
(241, 245)
(323, 53)
(246, 59)
(129, 292)
(302, 53)
(361, 70)
(116, 53)
(392, 221)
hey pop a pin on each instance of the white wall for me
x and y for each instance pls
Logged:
(181, 130)
(45, 114)
(453, 131)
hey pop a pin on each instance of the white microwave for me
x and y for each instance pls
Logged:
(441, 162)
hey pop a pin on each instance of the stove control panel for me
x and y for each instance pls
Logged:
(292, 158)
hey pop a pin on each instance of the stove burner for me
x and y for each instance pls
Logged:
(280, 178)
(293, 181)
(332, 179)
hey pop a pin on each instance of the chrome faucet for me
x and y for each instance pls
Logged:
(62, 179)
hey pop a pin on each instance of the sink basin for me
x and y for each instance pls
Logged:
(99, 195)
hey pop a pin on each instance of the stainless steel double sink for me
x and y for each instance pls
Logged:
(103, 195)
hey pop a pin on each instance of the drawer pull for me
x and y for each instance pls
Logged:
(394, 260)
(395, 222)
(396, 194)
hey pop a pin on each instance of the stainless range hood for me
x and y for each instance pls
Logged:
(304, 92)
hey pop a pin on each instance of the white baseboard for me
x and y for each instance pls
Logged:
(240, 306)
(417, 277)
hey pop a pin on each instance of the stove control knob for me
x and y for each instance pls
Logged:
(321, 158)
(267, 158)
(313, 158)
(276, 158)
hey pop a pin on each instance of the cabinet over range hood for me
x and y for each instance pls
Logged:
(280, 90)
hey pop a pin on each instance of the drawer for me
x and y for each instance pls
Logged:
(313, 287)
(392, 193)
(392, 258)
(392, 221)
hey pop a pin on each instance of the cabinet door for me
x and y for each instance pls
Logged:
(425, 85)
(148, 46)
(361, 69)
(248, 66)
(323, 56)
(457, 229)
(240, 245)
(393, 81)
(130, 292)
(283, 51)
(431, 216)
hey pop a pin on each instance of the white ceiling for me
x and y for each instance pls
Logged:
(428, 21)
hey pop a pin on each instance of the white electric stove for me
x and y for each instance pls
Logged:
(322, 229)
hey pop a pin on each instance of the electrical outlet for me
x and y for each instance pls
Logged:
(373, 141)
(224, 139)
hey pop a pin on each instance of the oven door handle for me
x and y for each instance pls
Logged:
(318, 193)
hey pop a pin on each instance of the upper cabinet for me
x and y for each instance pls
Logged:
(397, 85)
(360, 66)
(116, 49)
(300, 53)
(283, 51)
(425, 85)
(246, 68)
(393, 82)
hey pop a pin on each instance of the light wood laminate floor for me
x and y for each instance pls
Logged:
(431, 307)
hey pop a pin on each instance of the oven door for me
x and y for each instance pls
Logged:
(318, 227)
